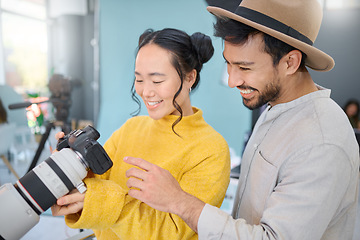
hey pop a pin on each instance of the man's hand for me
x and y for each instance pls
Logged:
(68, 204)
(157, 188)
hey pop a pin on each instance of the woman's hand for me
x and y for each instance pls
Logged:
(59, 135)
(69, 204)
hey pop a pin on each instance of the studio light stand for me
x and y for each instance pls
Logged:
(44, 137)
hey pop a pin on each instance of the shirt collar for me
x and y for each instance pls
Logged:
(282, 107)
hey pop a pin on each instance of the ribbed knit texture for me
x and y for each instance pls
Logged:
(199, 159)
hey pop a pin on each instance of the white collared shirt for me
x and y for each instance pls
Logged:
(299, 176)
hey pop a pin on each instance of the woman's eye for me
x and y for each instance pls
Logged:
(157, 82)
(138, 80)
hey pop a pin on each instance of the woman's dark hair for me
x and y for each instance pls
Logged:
(188, 53)
(3, 113)
(354, 120)
(238, 33)
(350, 102)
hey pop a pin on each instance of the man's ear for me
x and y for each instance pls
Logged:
(292, 61)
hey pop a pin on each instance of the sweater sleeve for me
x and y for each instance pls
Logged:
(109, 198)
(209, 179)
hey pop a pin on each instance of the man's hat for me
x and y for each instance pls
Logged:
(295, 22)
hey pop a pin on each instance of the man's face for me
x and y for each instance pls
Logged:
(251, 70)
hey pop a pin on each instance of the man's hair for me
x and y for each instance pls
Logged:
(238, 33)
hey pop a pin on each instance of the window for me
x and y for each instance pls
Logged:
(25, 45)
(337, 4)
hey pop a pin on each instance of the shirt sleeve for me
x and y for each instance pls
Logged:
(212, 222)
(217, 224)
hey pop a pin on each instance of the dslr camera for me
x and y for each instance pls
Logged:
(22, 203)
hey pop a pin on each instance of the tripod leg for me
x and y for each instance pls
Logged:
(44, 137)
(6, 161)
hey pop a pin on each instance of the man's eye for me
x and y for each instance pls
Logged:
(244, 68)
(138, 80)
(157, 82)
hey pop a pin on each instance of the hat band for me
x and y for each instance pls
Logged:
(271, 23)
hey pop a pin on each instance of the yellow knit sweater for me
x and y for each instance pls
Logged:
(199, 160)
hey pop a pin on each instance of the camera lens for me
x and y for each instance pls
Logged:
(52, 179)
(40, 188)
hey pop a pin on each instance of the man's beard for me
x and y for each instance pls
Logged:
(270, 94)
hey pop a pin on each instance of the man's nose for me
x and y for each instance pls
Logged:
(234, 79)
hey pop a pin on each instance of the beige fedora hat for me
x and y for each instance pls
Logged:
(295, 22)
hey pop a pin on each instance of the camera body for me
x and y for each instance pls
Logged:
(83, 141)
(22, 203)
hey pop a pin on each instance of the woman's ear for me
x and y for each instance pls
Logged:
(191, 77)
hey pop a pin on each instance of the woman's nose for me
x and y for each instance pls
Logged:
(148, 90)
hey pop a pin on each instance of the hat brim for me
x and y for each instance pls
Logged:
(316, 59)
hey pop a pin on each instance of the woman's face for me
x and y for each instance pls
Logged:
(351, 110)
(157, 81)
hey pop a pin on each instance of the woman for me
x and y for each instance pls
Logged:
(352, 109)
(173, 136)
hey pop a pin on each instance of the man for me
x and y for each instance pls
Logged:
(299, 173)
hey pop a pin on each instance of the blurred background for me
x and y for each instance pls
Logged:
(91, 44)
(73, 61)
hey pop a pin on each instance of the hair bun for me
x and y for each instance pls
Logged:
(203, 47)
